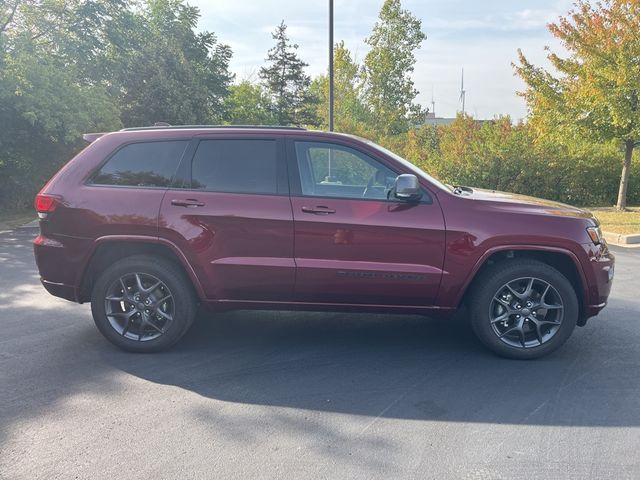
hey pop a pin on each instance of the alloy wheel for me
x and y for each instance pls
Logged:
(526, 312)
(139, 306)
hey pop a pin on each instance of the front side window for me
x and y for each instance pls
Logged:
(235, 166)
(329, 170)
(145, 164)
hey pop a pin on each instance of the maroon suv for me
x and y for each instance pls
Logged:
(147, 223)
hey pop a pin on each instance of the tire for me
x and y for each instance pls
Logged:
(501, 319)
(121, 317)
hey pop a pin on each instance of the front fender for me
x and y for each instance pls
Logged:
(454, 287)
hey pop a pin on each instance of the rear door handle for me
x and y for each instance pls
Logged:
(189, 202)
(320, 209)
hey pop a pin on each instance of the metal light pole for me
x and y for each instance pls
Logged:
(331, 65)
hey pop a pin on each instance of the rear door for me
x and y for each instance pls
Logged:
(352, 244)
(232, 217)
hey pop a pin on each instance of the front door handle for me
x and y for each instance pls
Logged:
(320, 209)
(189, 202)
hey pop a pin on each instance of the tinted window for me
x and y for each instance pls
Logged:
(150, 164)
(240, 166)
(337, 171)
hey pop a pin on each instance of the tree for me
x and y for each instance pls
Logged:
(8, 9)
(597, 91)
(248, 104)
(287, 84)
(47, 99)
(350, 113)
(169, 72)
(388, 88)
(75, 66)
(73, 32)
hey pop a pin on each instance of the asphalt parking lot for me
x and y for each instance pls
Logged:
(309, 395)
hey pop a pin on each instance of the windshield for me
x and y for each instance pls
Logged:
(408, 164)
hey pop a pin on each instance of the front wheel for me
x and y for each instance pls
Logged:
(523, 308)
(143, 303)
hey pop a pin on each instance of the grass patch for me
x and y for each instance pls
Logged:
(10, 219)
(619, 222)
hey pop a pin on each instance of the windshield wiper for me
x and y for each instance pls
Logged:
(460, 190)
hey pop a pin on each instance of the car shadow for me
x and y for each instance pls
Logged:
(399, 367)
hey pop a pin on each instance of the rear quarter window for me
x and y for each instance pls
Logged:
(144, 164)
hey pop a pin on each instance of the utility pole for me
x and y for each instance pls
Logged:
(331, 65)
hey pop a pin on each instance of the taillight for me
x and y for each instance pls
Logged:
(45, 204)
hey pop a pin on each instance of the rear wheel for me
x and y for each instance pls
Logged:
(143, 303)
(523, 308)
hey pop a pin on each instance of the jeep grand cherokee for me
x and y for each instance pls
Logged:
(147, 223)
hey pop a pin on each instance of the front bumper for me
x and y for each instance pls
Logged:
(600, 271)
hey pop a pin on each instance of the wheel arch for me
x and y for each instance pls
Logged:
(562, 260)
(109, 249)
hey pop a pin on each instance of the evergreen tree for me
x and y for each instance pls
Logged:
(292, 102)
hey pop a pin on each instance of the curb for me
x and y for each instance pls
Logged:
(620, 240)
(31, 224)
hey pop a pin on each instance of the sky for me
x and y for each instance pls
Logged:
(480, 36)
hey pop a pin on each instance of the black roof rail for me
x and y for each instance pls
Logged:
(170, 127)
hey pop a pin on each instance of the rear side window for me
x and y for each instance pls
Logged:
(235, 166)
(148, 164)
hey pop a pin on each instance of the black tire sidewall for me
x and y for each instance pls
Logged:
(498, 275)
(168, 273)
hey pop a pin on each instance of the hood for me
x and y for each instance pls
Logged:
(525, 203)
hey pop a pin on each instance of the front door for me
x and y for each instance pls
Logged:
(352, 244)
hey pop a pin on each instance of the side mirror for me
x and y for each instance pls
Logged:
(407, 188)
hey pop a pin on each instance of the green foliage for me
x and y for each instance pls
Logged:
(248, 104)
(498, 155)
(597, 93)
(350, 112)
(46, 102)
(388, 87)
(292, 102)
(169, 72)
(74, 66)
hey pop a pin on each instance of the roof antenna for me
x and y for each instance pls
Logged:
(462, 91)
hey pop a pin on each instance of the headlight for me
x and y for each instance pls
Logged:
(595, 234)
